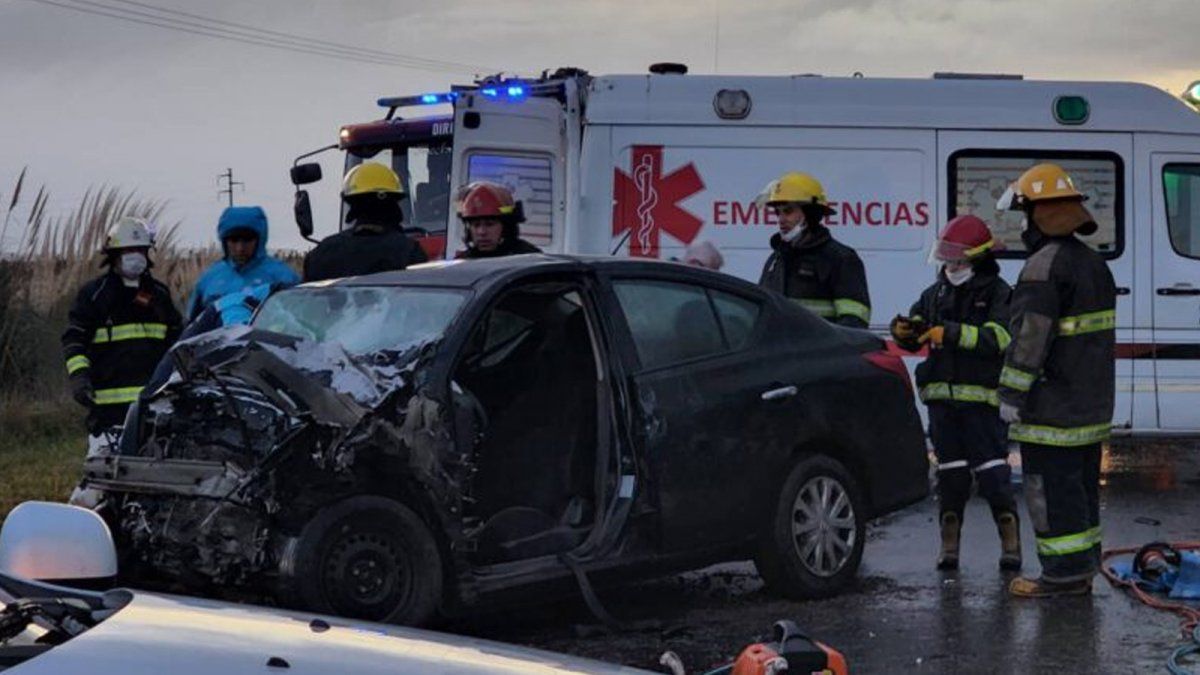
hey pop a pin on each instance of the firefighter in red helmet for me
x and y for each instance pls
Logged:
(491, 220)
(963, 319)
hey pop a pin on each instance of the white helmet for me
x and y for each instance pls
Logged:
(128, 232)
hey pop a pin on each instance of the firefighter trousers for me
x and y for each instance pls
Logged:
(971, 441)
(1062, 487)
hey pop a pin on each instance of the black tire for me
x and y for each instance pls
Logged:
(368, 558)
(794, 553)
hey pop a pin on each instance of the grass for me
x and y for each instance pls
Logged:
(49, 257)
(41, 452)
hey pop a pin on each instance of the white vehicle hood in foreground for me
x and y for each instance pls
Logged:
(157, 634)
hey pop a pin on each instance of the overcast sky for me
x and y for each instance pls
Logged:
(87, 100)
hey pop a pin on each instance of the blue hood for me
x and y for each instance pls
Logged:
(244, 218)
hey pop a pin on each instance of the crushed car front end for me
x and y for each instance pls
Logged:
(259, 428)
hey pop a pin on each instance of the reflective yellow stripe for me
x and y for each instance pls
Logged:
(1066, 437)
(848, 307)
(118, 395)
(1069, 543)
(972, 252)
(822, 308)
(1016, 379)
(77, 363)
(916, 318)
(1003, 338)
(131, 331)
(935, 391)
(968, 336)
(966, 393)
(1092, 322)
(973, 393)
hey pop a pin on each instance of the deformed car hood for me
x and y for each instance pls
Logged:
(329, 383)
(157, 634)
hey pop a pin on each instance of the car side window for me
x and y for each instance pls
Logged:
(670, 322)
(737, 315)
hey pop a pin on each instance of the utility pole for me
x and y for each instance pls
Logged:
(230, 182)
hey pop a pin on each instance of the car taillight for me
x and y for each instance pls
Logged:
(892, 364)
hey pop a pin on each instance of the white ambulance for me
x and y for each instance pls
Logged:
(642, 165)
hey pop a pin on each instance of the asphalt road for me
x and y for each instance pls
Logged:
(903, 615)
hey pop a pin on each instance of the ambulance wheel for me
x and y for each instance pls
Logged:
(814, 543)
(368, 558)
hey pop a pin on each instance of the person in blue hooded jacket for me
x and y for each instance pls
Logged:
(243, 234)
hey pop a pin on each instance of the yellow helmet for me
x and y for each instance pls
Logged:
(372, 178)
(795, 187)
(1046, 181)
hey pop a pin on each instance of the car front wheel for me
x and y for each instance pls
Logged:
(368, 558)
(815, 542)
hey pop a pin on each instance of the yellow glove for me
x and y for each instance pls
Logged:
(934, 335)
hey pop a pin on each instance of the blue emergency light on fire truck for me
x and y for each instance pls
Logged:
(643, 165)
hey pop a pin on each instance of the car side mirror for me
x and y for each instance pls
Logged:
(303, 212)
(303, 174)
(46, 541)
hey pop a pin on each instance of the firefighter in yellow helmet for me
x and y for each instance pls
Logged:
(1056, 386)
(806, 263)
(375, 241)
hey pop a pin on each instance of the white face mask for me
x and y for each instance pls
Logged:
(960, 277)
(792, 234)
(131, 265)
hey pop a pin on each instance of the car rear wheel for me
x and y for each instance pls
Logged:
(815, 542)
(368, 558)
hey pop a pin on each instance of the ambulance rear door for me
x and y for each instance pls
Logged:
(507, 134)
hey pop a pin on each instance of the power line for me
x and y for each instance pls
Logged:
(310, 40)
(225, 34)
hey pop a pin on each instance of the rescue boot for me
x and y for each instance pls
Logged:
(951, 529)
(1024, 587)
(1009, 527)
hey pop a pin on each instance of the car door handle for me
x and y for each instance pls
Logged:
(1178, 290)
(780, 393)
(1123, 290)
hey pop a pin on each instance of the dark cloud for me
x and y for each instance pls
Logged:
(91, 100)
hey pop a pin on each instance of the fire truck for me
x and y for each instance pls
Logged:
(644, 164)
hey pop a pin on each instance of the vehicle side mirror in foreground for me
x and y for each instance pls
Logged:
(303, 174)
(303, 212)
(69, 545)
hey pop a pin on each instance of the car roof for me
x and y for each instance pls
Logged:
(485, 272)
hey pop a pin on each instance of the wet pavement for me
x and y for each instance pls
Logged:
(902, 615)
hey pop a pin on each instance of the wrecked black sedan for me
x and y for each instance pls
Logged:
(464, 434)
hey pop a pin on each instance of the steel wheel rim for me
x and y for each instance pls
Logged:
(823, 526)
(366, 576)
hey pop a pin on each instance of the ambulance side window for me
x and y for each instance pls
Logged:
(530, 177)
(1181, 183)
(977, 179)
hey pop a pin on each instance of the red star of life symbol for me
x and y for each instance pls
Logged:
(646, 203)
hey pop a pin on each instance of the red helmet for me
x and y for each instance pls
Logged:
(489, 200)
(965, 238)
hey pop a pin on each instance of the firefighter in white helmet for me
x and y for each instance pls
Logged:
(806, 264)
(119, 326)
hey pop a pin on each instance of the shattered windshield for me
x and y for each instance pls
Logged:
(362, 319)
